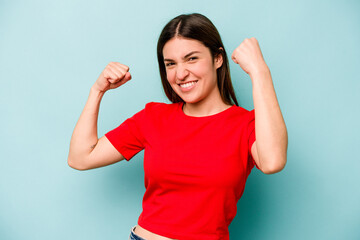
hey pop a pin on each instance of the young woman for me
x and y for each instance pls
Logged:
(200, 149)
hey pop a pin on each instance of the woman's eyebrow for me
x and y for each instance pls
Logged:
(186, 56)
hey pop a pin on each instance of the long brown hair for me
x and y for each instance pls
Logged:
(198, 27)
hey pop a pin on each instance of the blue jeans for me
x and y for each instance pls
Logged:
(133, 236)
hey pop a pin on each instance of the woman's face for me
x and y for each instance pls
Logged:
(190, 69)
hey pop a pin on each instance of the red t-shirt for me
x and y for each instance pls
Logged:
(195, 167)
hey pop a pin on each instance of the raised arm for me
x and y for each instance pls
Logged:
(86, 150)
(269, 149)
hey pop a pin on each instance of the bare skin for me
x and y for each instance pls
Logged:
(142, 232)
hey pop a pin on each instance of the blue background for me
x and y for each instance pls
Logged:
(51, 53)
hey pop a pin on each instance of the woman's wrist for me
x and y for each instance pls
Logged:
(96, 91)
(263, 71)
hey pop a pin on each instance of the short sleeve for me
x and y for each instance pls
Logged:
(251, 137)
(128, 138)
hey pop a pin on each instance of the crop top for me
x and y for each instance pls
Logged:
(195, 167)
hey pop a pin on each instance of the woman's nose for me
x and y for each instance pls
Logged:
(181, 72)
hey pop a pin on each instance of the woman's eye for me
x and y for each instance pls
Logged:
(169, 64)
(192, 58)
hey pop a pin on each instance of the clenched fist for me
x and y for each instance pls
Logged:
(114, 75)
(249, 57)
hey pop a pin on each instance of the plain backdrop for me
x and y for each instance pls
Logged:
(51, 53)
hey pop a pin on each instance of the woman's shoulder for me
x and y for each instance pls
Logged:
(243, 114)
(243, 110)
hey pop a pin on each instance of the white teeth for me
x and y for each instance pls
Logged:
(186, 85)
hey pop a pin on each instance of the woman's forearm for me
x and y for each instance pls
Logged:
(84, 137)
(270, 128)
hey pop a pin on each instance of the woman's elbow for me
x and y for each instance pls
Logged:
(275, 166)
(75, 165)
(273, 170)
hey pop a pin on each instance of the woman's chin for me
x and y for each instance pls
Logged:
(190, 100)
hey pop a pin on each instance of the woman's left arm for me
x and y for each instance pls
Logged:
(269, 149)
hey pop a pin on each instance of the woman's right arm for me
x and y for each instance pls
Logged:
(86, 150)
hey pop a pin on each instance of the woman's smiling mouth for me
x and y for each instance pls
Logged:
(188, 85)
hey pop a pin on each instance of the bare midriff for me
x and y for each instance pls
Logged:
(142, 232)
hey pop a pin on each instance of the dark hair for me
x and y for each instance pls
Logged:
(198, 27)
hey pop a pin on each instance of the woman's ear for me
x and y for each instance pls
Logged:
(219, 58)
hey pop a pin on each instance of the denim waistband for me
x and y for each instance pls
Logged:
(133, 235)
